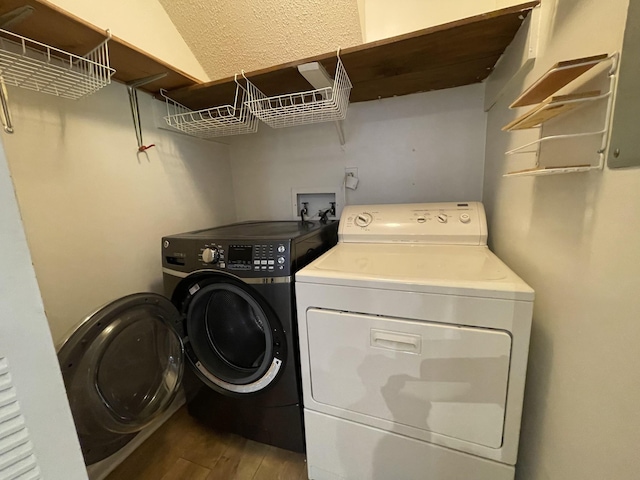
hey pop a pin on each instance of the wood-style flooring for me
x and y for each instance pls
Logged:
(182, 449)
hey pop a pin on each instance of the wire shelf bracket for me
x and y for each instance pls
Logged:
(328, 103)
(213, 122)
(36, 66)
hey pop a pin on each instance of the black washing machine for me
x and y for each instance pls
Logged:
(231, 319)
(233, 287)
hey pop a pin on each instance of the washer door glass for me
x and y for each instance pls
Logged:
(139, 371)
(234, 340)
(122, 369)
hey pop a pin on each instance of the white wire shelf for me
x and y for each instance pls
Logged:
(213, 122)
(553, 107)
(33, 65)
(558, 76)
(540, 171)
(571, 100)
(327, 104)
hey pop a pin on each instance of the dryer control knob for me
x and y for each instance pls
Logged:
(210, 255)
(442, 218)
(465, 218)
(363, 219)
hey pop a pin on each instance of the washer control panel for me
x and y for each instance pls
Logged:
(264, 257)
(452, 223)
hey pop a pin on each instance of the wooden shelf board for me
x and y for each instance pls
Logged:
(51, 25)
(450, 55)
(552, 107)
(561, 74)
(540, 171)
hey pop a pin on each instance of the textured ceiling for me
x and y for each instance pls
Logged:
(228, 36)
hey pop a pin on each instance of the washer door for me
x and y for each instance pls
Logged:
(232, 338)
(122, 368)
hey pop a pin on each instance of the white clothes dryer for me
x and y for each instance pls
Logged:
(414, 340)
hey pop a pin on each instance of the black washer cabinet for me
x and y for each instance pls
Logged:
(233, 286)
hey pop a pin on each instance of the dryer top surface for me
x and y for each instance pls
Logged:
(445, 269)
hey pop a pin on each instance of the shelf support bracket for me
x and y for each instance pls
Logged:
(135, 109)
(15, 16)
(340, 129)
(5, 113)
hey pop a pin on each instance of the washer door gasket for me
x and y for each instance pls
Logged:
(232, 338)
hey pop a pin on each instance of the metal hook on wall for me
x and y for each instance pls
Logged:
(135, 109)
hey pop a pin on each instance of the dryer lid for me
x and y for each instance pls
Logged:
(122, 368)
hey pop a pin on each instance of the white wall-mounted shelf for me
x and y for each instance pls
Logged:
(36, 66)
(558, 76)
(221, 121)
(553, 106)
(540, 171)
(550, 108)
(33, 65)
(327, 104)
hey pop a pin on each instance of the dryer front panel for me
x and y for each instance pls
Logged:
(444, 379)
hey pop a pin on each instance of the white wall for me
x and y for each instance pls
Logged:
(25, 344)
(383, 19)
(94, 211)
(415, 148)
(575, 238)
(143, 23)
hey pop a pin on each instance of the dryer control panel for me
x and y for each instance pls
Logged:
(460, 223)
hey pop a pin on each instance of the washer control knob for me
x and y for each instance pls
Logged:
(421, 219)
(210, 255)
(465, 218)
(442, 217)
(363, 219)
(280, 260)
(280, 248)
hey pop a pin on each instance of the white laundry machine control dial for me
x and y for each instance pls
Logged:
(363, 219)
(465, 218)
(210, 255)
(442, 217)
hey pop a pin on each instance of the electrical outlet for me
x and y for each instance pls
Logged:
(353, 171)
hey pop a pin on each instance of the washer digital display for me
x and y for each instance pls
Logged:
(240, 254)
